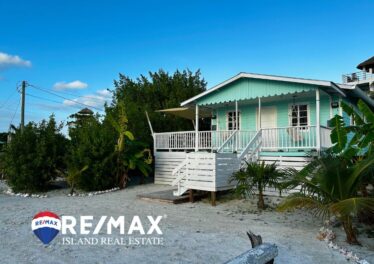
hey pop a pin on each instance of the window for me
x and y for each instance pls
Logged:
(299, 115)
(231, 120)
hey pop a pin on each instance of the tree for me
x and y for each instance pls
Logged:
(92, 144)
(159, 90)
(3, 140)
(129, 155)
(34, 155)
(329, 186)
(256, 177)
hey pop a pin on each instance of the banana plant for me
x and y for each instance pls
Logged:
(129, 157)
(362, 130)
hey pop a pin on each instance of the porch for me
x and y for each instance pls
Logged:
(278, 139)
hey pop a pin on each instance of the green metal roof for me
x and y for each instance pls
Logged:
(244, 89)
(245, 86)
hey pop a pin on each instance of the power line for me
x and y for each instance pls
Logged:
(7, 100)
(11, 110)
(15, 112)
(63, 97)
(50, 100)
(71, 94)
(43, 98)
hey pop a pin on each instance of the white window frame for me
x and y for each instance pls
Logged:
(290, 114)
(239, 121)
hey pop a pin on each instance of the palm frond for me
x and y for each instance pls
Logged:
(360, 170)
(304, 201)
(352, 206)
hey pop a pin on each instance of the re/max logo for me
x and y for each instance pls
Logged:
(69, 223)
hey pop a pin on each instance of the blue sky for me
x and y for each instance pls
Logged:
(79, 47)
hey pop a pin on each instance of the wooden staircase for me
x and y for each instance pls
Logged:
(211, 171)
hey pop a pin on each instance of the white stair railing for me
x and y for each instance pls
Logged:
(229, 142)
(180, 176)
(252, 151)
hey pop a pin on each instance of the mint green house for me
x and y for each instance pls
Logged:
(253, 117)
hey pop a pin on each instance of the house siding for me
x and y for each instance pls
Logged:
(248, 112)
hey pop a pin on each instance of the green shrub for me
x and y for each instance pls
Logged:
(34, 155)
(92, 145)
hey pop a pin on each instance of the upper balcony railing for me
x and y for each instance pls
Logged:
(279, 138)
(357, 77)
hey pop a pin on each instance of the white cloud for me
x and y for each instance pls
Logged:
(74, 85)
(7, 60)
(94, 100)
(104, 93)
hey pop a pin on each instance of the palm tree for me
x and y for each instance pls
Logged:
(258, 176)
(73, 175)
(329, 186)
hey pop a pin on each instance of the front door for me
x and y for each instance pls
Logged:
(268, 126)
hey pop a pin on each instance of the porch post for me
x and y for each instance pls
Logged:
(236, 125)
(318, 123)
(259, 113)
(196, 128)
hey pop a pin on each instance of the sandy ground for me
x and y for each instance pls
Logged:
(192, 233)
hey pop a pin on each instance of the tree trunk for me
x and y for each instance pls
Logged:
(142, 181)
(72, 190)
(261, 202)
(123, 180)
(350, 233)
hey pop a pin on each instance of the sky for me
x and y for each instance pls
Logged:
(70, 52)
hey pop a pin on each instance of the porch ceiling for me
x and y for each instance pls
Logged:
(187, 112)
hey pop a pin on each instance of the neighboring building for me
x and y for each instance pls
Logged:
(364, 79)
(80, 117)
(280, 119)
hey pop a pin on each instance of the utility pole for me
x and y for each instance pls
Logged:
(23, 94)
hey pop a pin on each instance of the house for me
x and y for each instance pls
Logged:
(253, 117)
(364, 79)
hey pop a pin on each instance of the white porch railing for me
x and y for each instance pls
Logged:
(294, 137)
(175, 140)
(279, 138)
(185, 140)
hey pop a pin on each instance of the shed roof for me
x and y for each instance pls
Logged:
(86, 111)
